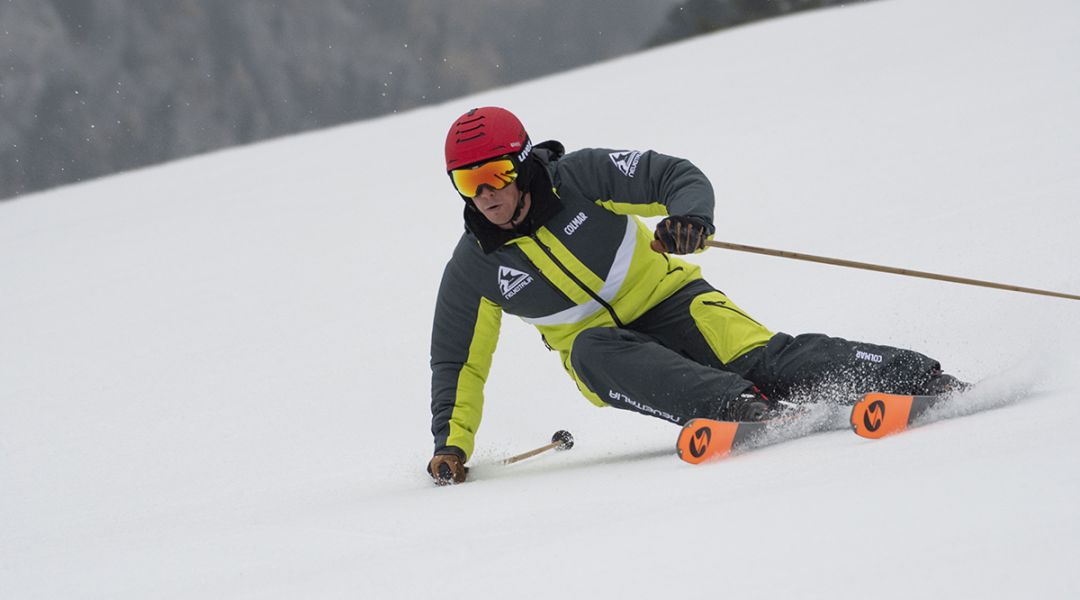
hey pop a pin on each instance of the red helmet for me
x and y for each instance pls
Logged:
(484, 133)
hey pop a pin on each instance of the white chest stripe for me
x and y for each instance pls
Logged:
(619, 268)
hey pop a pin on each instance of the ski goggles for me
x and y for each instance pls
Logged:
(496, 174)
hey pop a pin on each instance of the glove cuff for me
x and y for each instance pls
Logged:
(453, 450)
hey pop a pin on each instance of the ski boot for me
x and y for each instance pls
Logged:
(943, 384)
(750, 406)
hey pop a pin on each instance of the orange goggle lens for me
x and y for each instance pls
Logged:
(496, 173)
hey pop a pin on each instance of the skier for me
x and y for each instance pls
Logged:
(553, 238)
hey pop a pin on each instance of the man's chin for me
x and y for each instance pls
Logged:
(495, 218)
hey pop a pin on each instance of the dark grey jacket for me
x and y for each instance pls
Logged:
(582, 259)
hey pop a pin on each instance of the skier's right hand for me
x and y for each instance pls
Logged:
(682, 234)
(448, 467)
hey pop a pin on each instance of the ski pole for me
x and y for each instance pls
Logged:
(883, 269)
(561, 440)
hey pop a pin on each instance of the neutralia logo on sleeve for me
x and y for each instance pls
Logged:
(626, 161)
(511, 281)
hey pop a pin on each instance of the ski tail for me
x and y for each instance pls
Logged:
(703, 440)
(878, 415)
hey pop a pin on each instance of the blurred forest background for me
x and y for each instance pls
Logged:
(91, 87)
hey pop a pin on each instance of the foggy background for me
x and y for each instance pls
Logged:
(91, 87)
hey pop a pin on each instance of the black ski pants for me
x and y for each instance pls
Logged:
(668, 362)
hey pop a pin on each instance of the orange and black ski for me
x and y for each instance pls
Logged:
(702, 440)
(878, 415)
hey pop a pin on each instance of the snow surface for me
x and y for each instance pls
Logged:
(214, 379)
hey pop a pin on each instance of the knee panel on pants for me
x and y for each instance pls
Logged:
(728, 330)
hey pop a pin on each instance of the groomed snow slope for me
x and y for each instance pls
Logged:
(214, 379)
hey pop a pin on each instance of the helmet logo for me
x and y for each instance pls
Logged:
(525, 153)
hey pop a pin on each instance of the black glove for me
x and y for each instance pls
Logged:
(448, 466)
(682, 234)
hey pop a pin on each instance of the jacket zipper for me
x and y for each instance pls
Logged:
(560, 293)
(585, 288)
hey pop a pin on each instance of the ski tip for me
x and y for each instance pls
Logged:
(878, 415)
(703, 440)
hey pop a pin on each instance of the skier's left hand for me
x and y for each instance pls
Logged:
(682, 234)
(448, 467)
